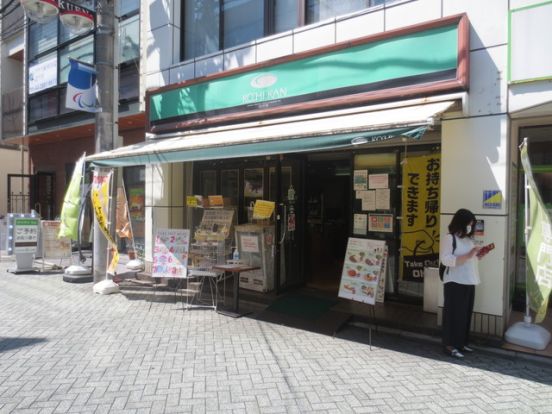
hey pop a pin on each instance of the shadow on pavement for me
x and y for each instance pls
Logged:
(7, 344)
(482, 359)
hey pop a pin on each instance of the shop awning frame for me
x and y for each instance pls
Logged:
(323, 131)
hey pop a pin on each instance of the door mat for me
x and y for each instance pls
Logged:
(307, 313)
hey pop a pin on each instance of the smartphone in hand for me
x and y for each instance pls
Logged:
(485, 249)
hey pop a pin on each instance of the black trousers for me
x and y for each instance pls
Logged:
(457, 313)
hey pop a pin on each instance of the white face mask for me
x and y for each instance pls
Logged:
(468, 229)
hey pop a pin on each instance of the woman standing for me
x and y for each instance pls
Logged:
(459, 280)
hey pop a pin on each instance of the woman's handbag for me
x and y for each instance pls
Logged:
(442, 267)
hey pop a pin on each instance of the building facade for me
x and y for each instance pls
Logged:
(250, 99)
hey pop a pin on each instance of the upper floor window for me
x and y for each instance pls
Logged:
(213, 25)
(318, 10)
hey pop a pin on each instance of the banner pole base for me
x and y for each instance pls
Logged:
(528, 335)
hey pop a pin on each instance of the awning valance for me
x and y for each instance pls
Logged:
(327, 131)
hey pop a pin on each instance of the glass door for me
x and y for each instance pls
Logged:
(287, 192)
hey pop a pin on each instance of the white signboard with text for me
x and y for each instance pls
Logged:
(42, 75)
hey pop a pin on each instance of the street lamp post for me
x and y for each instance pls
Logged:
(79, 20)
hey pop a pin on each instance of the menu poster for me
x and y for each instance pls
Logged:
(380, 294)
(170, 253)
(382, 223)
(52, 247)
(378, 181)
(249, 243)
(368, 200)
(383, 199)
(360, 224)
(360, 180)
(216, 201)
(362, 269)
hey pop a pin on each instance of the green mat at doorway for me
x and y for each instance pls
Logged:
(302, 306)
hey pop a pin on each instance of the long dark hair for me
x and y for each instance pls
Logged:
(462, 218)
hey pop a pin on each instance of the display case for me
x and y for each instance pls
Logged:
(255, 243)
(212, 239)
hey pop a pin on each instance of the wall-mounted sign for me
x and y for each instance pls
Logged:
(42, 75)
(492, 199)
(371, 64)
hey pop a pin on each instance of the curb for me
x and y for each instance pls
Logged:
(505, 353)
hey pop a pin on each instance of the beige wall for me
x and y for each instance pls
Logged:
(10, 163)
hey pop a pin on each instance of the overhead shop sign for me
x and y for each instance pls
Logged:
(429, 58)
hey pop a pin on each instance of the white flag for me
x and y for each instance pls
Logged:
(81, 87)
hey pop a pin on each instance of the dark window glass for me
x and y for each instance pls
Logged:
(243, 21)
(129, 6)
(201, 27)
(318, 10)
(285, 15)
(43, 106)
(129, 81)
(42, 37)
(129, 39)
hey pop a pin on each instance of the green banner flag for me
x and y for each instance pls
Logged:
(71, 204)
(539, 246)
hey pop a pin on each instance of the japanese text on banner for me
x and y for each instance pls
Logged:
(420, 223)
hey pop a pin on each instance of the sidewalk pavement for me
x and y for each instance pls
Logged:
(64, 349)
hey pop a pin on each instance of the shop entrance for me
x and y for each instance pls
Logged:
(328, 189)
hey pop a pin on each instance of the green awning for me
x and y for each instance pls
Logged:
(285, 146)
(303, 133)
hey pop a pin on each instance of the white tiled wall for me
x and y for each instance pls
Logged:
(359, 26)
(412, 13)
(488, 24)
(488, 85)
(274, 47)
(311, 38)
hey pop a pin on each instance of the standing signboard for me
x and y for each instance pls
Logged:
(170, 253)
(23, 240)
(52, 246)
(363, 267)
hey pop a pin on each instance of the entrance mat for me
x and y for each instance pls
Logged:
(305, 312)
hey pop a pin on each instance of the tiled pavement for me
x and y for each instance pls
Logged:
(64, 349)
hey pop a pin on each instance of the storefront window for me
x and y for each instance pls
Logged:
(42, 37)
(128, 6)
(285, 15)
(229, 182)
(129, 39)
(134, 183)
(318, 10)
(44, 105)
(208, 183)
(243, 21)
(540, 155)
(201, 27)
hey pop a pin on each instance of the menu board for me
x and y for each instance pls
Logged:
(52, 247)
(362, 269)
(26, 235)
(170, 253)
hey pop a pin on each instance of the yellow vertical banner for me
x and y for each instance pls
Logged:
(420, 216)
(100, 202)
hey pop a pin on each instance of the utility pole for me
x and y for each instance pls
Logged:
(106, 119)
